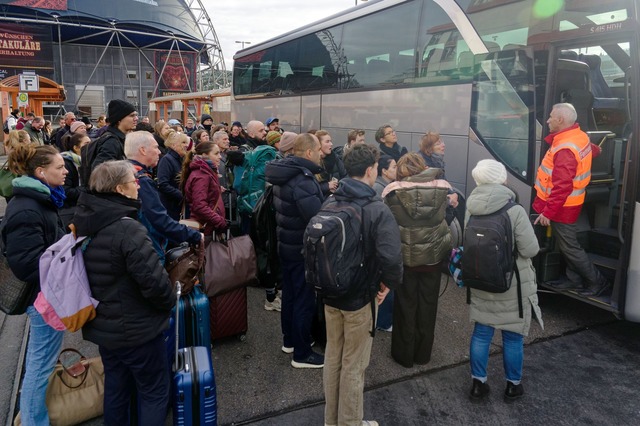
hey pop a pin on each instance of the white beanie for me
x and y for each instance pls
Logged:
(489, 171)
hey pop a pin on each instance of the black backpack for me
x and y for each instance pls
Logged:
(263, 233)
(88, 154)
(489, 259)
(334, 249)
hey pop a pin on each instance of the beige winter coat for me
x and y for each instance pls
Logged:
(500, 310)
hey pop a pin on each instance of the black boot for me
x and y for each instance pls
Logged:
(479, 391)
(595, 290)
(513, 392)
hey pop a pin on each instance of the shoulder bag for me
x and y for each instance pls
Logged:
(6, 179)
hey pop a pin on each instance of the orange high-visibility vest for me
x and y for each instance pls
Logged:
(576, 141)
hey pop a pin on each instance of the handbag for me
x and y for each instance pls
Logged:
(230, 263)
(6, 179)
(184, 263)
(74, 398)
(191, 223)
(15, 294)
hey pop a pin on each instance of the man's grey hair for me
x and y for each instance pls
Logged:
(219, 135)
(38, 120)
(106, 176)
(567, 112)
(69, 115)
(253, 127)
(136, 140)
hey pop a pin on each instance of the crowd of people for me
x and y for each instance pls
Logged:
(141, 180)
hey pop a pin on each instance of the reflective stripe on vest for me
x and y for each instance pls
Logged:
(578, 143)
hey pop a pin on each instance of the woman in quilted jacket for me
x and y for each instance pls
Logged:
(201, 187)
(418, 201)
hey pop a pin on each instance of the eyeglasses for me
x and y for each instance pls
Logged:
(136, 181)
(392, 132)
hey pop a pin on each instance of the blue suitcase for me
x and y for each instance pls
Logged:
(194, 395)
(194, 385)
(194, 319)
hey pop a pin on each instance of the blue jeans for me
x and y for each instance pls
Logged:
(512, 354)
(385, 312)
(42, 354)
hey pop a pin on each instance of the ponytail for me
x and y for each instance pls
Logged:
(24, 159)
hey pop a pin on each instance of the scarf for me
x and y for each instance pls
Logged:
(57, 195)
(73, 156)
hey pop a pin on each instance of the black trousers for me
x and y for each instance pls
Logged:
(144, 368)
(414, 317)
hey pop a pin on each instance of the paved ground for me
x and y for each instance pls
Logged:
(582, 369)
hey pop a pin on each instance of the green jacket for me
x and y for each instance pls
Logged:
(37, 136)
(418, 203)
(500, 310)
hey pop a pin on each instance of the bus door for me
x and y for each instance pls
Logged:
(594, 76)
(502, 122)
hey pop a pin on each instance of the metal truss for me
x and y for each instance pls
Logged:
(212, 75)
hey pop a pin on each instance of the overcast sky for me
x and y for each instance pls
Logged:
(259, 20)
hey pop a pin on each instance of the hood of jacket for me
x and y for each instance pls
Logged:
(202, 165)
(421, 196)
(489, 198)
(282, 171)
(95, 211)
(350, 188)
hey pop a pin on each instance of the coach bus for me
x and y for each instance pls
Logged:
(485, 75)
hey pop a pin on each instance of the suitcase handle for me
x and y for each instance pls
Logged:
(178, 293)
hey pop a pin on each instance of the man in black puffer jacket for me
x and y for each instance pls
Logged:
(297, 198)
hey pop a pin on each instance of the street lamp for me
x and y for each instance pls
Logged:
(243, 43)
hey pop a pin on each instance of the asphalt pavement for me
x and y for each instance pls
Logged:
(583, 368)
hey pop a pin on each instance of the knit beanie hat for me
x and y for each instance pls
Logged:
(489, 171)
(273, 138)
(75, 125)
(117, 110)
(286, 141)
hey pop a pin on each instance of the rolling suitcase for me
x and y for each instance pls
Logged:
(228, 314)
(194, 321)
(194, 385)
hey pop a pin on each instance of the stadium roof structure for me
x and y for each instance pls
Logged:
(173, 25)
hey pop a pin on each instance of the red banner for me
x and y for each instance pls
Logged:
(179, 75)
(41, 4)
(25, 48)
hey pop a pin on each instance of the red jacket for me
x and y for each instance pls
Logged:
(564, 171)
(202, 192)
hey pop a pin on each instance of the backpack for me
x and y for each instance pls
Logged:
(88, 155)
(252, 183)
(263, 232)
(489, 257)
(64, 282)
(5, 128)
(334, 251)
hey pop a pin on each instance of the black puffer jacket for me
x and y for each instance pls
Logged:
(381, 241)
(30, 225)
(125, 274)
(297, 198)
(110, 148)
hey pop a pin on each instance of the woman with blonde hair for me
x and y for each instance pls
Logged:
(169, 168)
(418, 200)
(31, 224)
(160, 132)
(16, 137)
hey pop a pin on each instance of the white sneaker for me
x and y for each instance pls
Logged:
(369, 423)
(287, 349)
(276, 305)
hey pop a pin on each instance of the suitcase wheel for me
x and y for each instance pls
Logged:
(242, 337)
